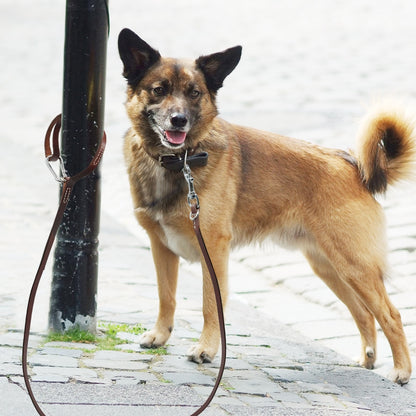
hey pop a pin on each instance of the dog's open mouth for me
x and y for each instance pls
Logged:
(175, 137)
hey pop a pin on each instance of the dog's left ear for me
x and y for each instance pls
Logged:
(217, 66)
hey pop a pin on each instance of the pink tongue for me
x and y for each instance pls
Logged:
(175, 137)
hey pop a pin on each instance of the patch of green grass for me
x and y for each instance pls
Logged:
(156, 351)
(113, 329)
(72, 335)
(226, 386)
(162, 379)
(107, 340)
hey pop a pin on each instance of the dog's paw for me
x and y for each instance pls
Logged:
(199, 354)
(399, 376)
(154, 338)
(368, 359)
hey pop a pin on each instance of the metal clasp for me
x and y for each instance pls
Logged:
(63, 175)
(193, 200)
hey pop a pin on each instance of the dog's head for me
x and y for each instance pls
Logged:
(171, 102)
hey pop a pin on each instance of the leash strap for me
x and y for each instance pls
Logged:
(193, 202)
(220, 311)
(52, 155)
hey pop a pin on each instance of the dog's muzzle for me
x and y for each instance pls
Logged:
(174, 135)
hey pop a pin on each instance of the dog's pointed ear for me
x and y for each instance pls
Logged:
(217, 66)
(137, 56)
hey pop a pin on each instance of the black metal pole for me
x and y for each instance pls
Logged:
(75, 271)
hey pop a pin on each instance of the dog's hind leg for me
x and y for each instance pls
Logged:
(167, 264)
(361, 268)
(363, 318)
(368, 283)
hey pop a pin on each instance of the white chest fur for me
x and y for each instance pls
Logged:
(179, 244)
(176, 241)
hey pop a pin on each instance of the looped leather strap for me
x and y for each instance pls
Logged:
(53, 154)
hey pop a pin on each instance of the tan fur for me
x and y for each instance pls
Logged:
(260, 185)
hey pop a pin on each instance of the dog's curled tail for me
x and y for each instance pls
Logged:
(386, 150)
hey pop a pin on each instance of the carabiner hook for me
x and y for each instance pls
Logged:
(193, 200)
(63, 176)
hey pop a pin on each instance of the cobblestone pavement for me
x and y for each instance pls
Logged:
(308, 70)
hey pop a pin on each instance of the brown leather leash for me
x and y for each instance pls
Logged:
(193, 202)
(52, 154)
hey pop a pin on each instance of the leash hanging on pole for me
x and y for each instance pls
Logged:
(74, 284)
(52, 154)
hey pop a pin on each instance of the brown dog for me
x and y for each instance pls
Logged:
(257, 185)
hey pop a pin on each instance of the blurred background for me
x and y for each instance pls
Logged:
(305, 65)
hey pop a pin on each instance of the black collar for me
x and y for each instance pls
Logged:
(175, 162)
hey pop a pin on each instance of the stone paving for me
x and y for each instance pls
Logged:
(308, 69)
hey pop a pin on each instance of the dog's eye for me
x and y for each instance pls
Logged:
(195, 93)
(158, 91)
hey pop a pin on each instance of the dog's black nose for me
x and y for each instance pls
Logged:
(178, 120)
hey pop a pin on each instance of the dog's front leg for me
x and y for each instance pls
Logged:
(166, 263)
(207, 347)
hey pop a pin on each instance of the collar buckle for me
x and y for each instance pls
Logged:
(175, 162)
